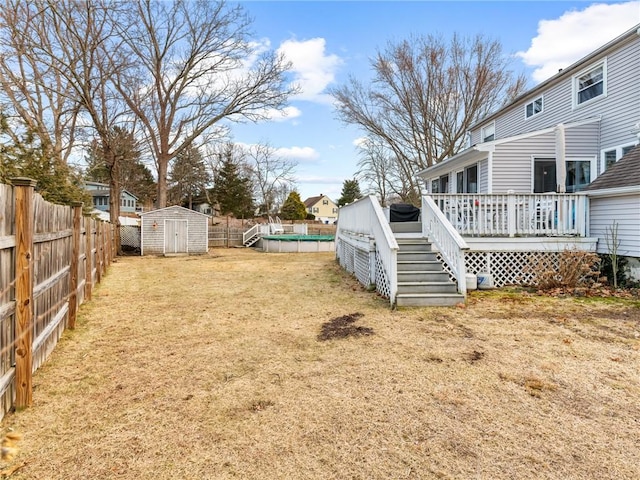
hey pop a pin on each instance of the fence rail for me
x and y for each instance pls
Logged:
(50, 258)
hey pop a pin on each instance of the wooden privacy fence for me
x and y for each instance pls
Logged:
(50, 258)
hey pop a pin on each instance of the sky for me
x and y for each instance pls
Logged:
(328, 41)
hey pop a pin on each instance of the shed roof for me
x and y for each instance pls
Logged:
(624, 173)
(174, 207)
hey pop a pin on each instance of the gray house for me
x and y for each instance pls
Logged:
(558, 136)
(100, 195)
(174, 230)
(516, 198)
(614, 199)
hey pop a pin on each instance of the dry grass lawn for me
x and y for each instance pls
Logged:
(212, 368)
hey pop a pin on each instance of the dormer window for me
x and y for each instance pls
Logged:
(533, 108)
(590, 84)
(489, 132)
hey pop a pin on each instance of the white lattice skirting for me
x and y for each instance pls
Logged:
(506, 268)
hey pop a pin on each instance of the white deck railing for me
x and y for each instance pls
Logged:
(451, 245)
(365, 217)
(510, 214)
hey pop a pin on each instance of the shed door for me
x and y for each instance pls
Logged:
(176, 234)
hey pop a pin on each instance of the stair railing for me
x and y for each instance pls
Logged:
(365, 218)
(249, 234)
(449, 242)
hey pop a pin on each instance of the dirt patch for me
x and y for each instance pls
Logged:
(343, 327)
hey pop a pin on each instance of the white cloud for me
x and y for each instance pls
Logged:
(303, 154)
(288, 113)
(319, 180)
(563, 41)
(312, 68)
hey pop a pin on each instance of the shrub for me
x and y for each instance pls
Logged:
(575, 269)
(606, 269)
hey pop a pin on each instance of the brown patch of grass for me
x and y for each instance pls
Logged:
(210, 367)
(342, 327)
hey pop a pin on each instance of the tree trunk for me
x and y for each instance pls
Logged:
(163, 165)
(113, 166)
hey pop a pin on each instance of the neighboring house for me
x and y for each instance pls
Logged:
(323, 208)
(574, 125)
(100, 195)
(615, 210)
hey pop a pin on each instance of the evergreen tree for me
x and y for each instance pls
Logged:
(57, 182)
(350, 192)
(190, 177)
(133, 175)
(293, 208)
(233, 191)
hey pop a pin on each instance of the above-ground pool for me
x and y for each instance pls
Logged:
(297, 243)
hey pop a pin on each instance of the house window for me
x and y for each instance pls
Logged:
(533, 108)
(444, 184)
(578, 175)
(316, 210)
(460, 182)
(471, 179)
(435, 186)
(544, 175)
(611, 156)
(325, 202)
(335, 210)
(489, 132)
(590, 84)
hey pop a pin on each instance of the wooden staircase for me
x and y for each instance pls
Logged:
(422, 280)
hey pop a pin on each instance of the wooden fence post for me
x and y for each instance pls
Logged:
(88, 273)
(98, 243)
(75, 253)
(23, 197)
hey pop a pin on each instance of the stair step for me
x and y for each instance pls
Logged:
(413, 245)
(412, 255)
(422, 276)
(427, 287)
(406, 227)
(419, 265)
(429, 299)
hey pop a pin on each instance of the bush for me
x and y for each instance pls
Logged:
(606, 269)
(575, 269)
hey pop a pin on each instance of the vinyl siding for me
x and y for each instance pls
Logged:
(512, 162)
(625, 211)
(153, 238)
(619, 109)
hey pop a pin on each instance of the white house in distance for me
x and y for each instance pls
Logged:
(520, 192)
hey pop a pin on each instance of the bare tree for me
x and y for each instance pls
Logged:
(270, 172)
(196, 67)
(64, 46)
(30, 88)
(425, 95)
(377, 170)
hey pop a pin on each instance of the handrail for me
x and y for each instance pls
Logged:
(511, 214)
(449, 242)
(365, 217)
(249, 234)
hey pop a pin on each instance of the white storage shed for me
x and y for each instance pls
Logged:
(174, 230)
